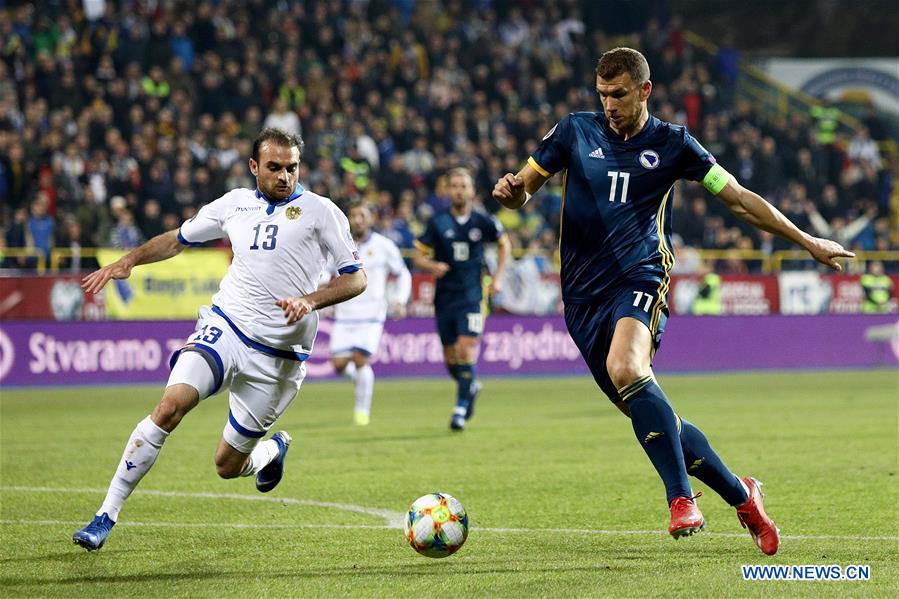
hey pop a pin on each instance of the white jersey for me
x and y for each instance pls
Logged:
(280, 250)
(382, 258)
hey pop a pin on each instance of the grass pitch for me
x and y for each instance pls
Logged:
(562, 500)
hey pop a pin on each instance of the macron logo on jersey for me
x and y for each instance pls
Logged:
(597, 153)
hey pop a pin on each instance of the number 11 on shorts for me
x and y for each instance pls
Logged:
(639, 297)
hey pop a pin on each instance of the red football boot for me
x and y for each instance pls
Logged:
(754, 519)
(686, 519)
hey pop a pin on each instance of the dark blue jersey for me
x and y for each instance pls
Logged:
(616, 202)
(461, 245)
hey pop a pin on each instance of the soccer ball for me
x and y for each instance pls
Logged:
(436, 525)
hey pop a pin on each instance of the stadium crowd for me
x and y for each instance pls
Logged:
(118, 120)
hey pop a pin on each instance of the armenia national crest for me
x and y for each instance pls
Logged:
(293, 212)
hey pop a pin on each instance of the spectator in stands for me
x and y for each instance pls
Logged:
(878, 290)
(688, 260)
(419, 161)
(125, 234)
(863, 150)
(692, 224)
(41, 226)
(283, 118)
(150, 222)
(72, 239)
(190, 91)
(18, 173)
(18, 236)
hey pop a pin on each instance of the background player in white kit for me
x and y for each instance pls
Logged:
(260, 329)
(359, 322)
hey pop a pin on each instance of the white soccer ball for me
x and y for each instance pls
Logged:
(436, 525)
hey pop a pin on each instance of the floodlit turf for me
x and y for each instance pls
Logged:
(562, 501)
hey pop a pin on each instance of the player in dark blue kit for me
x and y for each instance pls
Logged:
(619, 168)
(452, 249)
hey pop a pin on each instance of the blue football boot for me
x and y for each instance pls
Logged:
(269, 477)
(93, 536)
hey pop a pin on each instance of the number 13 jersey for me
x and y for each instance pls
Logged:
(280, 250)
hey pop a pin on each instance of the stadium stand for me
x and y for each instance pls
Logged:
(117, 123)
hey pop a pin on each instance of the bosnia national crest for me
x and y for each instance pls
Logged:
(293, 212)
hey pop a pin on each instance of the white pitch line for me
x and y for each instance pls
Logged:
(218, 525)
(589, 531)
(581, 531)
(392, 519)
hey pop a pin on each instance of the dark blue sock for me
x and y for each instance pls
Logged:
(464, 378)
(703, 463)
(453, 370)
(655, 425)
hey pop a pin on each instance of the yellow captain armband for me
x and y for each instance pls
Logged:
(716, 179)
(424, 249)
(543, 172)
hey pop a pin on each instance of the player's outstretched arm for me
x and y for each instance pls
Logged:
(752, 208)
(161, 247)
(340, 289)
(514, 191)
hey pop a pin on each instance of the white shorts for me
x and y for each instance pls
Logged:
(261, 386)
(347, 337)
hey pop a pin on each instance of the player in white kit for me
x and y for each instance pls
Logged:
(359, 322)
(260, 329)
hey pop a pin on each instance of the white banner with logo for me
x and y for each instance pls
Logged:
(836, 78)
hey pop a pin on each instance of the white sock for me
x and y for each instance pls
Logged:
(349, 372)
(140, 453)
(746, 488)
(260, 457)
(365, 385)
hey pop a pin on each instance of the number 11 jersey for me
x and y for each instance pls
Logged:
(616, 199)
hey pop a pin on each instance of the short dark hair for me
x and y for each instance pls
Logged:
(277, 136)
(353, 203)
(623, 60)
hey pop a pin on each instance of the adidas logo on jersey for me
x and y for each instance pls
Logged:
(597, 153)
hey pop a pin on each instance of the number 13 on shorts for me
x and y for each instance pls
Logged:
(638, 297)
(207, 333)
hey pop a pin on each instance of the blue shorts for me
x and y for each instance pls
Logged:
(456, 321)
(591, 326)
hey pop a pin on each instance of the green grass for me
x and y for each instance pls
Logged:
(540, 454)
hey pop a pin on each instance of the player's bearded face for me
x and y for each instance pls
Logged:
(359, 218)
(461, 190)
(623, 100)
(277, 171)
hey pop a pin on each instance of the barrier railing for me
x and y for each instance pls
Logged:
(770, 262)
(763, 90)
(767, 90)
(857, 264)
(57, 255)
(14, 253)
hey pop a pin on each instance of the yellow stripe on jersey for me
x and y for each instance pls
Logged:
(667, 264)
(562, 208)
(539, 168)
(427, 250)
